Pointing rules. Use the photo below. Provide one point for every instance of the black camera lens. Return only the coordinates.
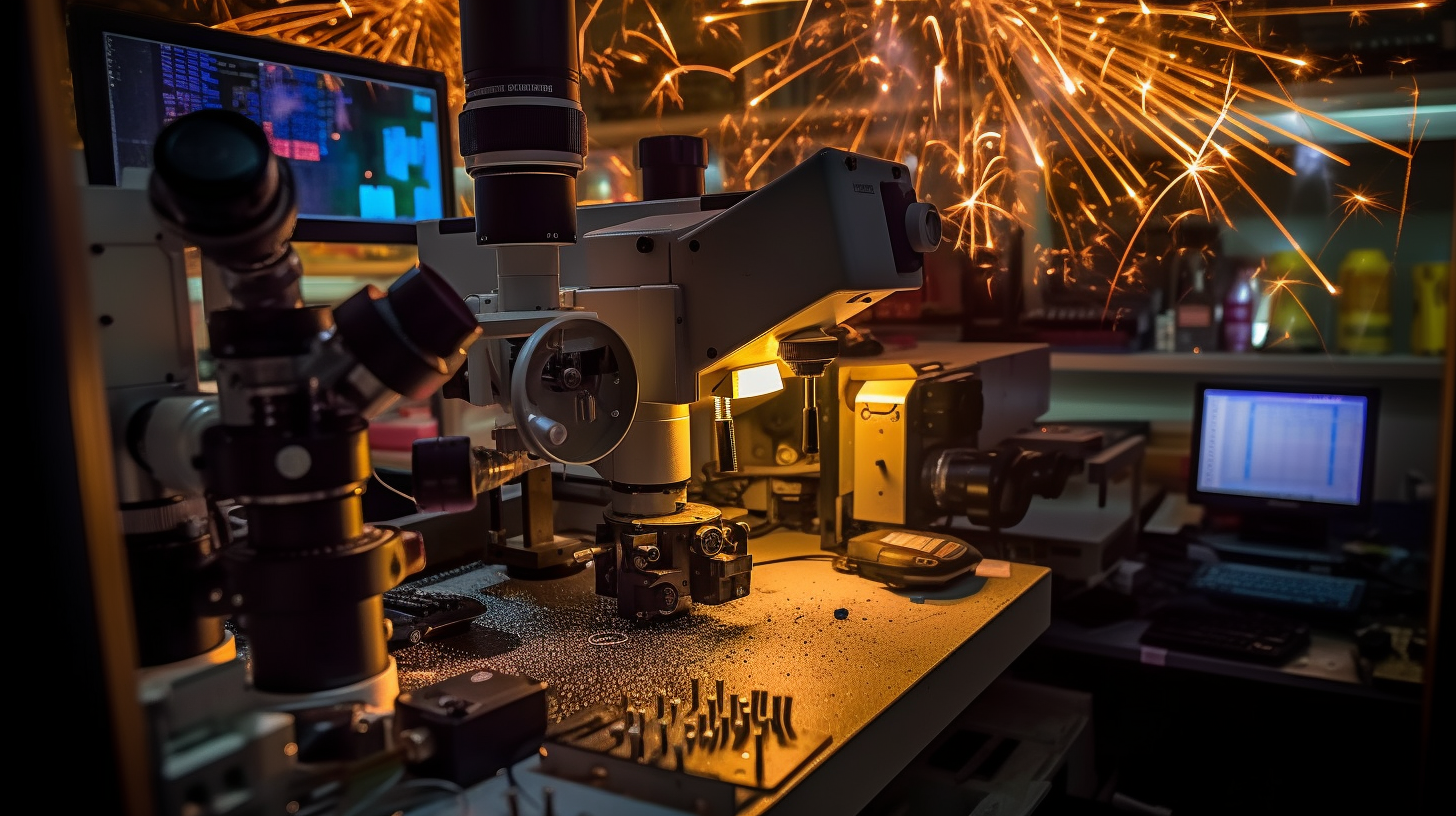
(216, 177)
(522, 130)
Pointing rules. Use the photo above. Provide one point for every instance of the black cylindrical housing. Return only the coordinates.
(242, 461)
(307, 525)
(167, 569)
(672, 166)
(444, 476)
(522, 130)
(525, 208)
(328, 648)
(512, 48)
(982, 485)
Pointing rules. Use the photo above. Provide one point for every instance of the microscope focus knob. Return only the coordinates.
(573, 390)
(808, 354)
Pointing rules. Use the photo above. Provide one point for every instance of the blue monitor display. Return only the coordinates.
(1260, 446)
(367, 142)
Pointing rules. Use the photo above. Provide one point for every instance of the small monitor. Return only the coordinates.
(1287, 460)
(369, 142)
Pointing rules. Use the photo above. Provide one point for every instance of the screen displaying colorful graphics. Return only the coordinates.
(367, 142)
(358, 148)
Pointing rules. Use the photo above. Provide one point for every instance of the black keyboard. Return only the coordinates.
(1271, 586)
(1235, 634)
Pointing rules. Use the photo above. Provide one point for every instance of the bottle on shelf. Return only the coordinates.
(1364, 303)
(1428, 324)
(1240, 303)
(1297, 305)
(1192, 268)
(1196, 315)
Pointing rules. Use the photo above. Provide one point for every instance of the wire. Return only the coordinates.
(406, 796)
(373, 797)
(815, 557)
(391, 487)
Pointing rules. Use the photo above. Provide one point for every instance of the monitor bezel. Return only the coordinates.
(87, 25)
(1236, 503)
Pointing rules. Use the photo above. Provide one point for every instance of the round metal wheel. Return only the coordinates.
(573, 390)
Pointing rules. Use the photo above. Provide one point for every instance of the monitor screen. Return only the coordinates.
(367, 142)
(1267, 447)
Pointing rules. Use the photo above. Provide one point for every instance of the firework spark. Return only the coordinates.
(1105, 114)
(1354, 202)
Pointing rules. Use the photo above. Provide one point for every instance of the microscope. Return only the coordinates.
(243, 504)
(602, 326)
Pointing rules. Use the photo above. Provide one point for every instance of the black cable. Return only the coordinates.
(815, 557)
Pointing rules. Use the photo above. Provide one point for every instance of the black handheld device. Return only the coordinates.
(908, 558)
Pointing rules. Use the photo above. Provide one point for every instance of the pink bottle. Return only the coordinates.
(1239, 305)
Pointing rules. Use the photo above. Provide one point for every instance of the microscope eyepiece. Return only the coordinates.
(430, 313)
(522, 131)
(216, 178)
(672, 165)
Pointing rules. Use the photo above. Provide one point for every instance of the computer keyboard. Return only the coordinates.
(1235, 634)
(1271, 586)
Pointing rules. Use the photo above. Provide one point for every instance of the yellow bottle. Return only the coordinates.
(1364, 303)
(1296, 301)
(1428, 326)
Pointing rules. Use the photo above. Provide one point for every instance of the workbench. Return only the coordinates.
(880, 671)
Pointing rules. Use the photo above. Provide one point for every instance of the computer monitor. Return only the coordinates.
(1286, 460)
(368, 142)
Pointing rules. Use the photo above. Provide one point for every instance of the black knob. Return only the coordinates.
(672, 166)
(442, 473)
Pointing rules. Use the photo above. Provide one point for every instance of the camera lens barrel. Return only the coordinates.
(522, 129)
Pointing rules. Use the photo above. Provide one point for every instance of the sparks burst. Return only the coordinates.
(1114, 117)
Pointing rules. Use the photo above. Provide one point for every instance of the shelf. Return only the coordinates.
(1315, 365)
